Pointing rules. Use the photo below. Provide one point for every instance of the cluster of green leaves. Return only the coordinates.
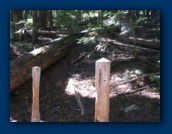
(113, 23)
(90, 39)
(154, 78)
(64, 19)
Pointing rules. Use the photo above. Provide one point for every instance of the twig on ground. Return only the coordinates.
(78, 97)
(134, 79)
(28, 106)
(138, 90)
(82, 55)
(151, 63)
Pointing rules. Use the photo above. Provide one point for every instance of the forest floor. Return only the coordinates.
(76, 72)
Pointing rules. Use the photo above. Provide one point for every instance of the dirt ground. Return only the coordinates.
(60, 81)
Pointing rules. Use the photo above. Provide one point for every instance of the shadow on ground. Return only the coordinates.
(58, 103)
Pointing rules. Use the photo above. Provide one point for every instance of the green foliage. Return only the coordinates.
(118, 23)
(154, 78)
(66, 19)
(87, 40)
(101, 47)
(155, 89)
(126, 32)
(27, 14)
(141, 20)
(29, 23)
(148, 105)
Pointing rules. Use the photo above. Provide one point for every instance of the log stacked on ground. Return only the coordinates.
(20, 68)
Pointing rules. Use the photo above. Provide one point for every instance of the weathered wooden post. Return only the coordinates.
(35, 88)
(102, 90)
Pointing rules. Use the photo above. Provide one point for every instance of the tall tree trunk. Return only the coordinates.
(36, 25)
(43, 18)
(50, 17)
(16, 16)
(137, 14)
(144, 14)
(100, 17)
(147, 14)
(27, 14)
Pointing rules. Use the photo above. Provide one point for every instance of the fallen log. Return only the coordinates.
(20, 68)
(152, 44)
(13, 54)
(131, 46)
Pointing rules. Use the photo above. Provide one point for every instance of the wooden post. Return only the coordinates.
(102, 90)
(35, 88)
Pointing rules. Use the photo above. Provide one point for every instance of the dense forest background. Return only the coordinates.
(115, 22)
(66, 44)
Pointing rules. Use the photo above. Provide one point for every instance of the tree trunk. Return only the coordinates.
(43, 18)
(137, 14)
(147, 14)
(20, 69)
(100, 17)
(36, 25)
(50, 17)
(144, 14)
(16, 16)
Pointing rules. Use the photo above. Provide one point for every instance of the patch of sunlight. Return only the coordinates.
(13, 120)
(141, 39)
(129, 74)
(84, 87)
(69, 88)
(138, 71)
(151, 95)
(30, 20)
(39, 50)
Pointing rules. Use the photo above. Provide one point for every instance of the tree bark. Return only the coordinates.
(16, 16)
(36, 25)
(20, 68)
(43, 18)
(147, 14)
(50, 17)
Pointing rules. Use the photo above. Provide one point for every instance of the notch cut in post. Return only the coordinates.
(35, 89)
(102, 90)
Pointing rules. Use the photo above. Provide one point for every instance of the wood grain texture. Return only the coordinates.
(102, 90)
(35, 88)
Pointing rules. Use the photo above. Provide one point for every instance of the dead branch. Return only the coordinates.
(151, 63)
(134, 79)
(82, 55)
(131, 46)
(78, 97)
(140, 42)
(138, 90)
